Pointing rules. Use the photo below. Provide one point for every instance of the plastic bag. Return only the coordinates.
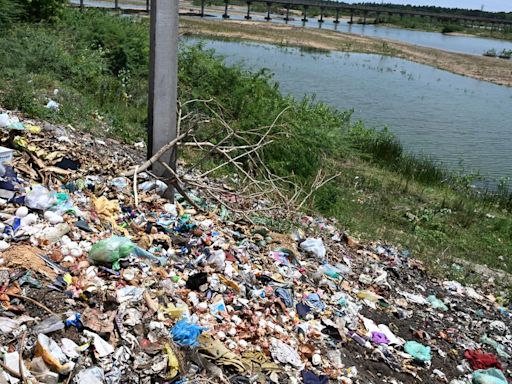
(331, 271)
(39, 197)
(186, 334)
(116, 248)
(111, 251)
(315, 246)
(218, 259)
(92, 375)
(436, 303)
(4, 120)
(418, 351)
(489, 376)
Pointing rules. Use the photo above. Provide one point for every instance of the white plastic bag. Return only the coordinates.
(315, 246)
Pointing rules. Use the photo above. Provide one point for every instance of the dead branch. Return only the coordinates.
(20, 361)
(32, 301)
(153, 159)
(177, 185)
(319, 182)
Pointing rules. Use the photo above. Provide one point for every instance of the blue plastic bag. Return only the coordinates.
(489, 376)
(186, 334)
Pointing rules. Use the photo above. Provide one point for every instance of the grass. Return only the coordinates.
(99, 64)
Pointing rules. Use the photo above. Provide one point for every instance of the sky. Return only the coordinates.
(489, 5)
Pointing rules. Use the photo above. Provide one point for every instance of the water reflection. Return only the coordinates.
(461, 121)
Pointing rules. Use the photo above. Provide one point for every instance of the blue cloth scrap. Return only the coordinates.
(311, 378)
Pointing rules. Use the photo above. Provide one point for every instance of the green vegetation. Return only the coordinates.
(29, 10)
(99, 64)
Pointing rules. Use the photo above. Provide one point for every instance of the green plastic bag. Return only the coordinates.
(111, 251)
(418, 351)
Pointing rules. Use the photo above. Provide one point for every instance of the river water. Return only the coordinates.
(462, 122)
(464, 44)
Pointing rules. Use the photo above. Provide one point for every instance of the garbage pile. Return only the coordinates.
(99, 287)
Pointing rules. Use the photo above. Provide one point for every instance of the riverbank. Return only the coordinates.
(478, 67)
(99, 67)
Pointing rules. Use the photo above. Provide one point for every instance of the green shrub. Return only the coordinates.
(39, 10)
(10, 12)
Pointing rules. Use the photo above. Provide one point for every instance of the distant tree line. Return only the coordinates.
(434, 9)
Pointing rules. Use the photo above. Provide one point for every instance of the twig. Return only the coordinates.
(135, 192)
(180, 189)
(10, 371)
(153, 159)
(20, 361)
(317, 184)
(32, 301)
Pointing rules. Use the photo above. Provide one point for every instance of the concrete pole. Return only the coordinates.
(305, 19)
(352, 16)
(202, 7)
(116, 5)
(321, 20)
(82, 5)
(287, 18)
(147, 6)
(337, 16)
(248, 16)
(163, 82)
(226, 4)
(268, 18)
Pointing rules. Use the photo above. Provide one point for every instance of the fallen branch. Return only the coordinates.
(135, 192)
(176, 184)
(32, 301)
(20, 361)
(153, 159)
(319, 182)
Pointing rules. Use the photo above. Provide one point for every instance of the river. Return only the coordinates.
(463, 44)
(464, 123)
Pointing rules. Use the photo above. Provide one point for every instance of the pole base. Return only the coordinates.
(224, 16)
(248, 17)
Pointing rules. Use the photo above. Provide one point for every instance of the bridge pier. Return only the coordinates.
(248, 16)
(337, 20)
(377, 18)
(202, 7)
(81, 5)
(321, 19)
(116, 5)
(305, 18)
(287, 17)
(351, 17)
(365, 13)
(268, 18)
(225, 15)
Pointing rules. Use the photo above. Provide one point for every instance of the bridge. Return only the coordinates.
(362, 12)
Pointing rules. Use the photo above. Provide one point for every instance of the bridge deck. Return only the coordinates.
(141, 6)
